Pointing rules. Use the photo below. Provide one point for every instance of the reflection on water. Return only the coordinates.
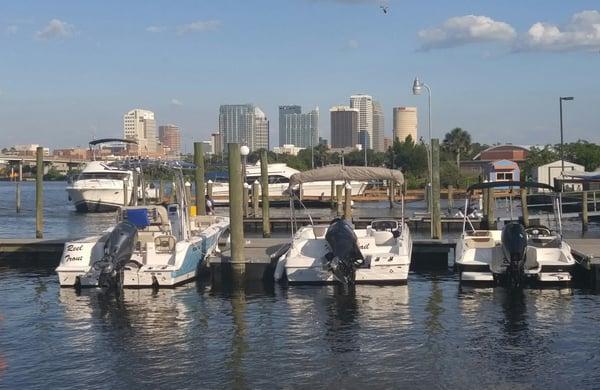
(429, 334)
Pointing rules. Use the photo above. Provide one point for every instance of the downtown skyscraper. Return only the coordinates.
(344, 127)
(140, 126)
(370, 121)
(298, 129)
(245, 124)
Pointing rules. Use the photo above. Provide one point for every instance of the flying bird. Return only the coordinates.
(384, 8)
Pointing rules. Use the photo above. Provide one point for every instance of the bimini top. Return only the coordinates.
(591, 176)
(339, 172)
(107, 140)
(508, 183)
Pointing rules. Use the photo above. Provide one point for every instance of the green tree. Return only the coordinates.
(539, 156)
(457, 141)
(584, 153)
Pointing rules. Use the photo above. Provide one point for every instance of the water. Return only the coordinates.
(428, 334)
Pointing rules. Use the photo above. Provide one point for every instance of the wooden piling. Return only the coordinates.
(209, 188)
(450, 197)
(39, 192)
(332, 205)
(246, 200)
(392, 190)
(264, 178)
(255, 190)
(348, 202)
(199, 178)
(584, 211)
(436, 221)
(339, 194)
(491, 203)
(18, 197)
(236, 218)
(125, 198)
(161, 191)
(524, 208)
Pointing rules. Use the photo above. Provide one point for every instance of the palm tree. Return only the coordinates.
(457, 141)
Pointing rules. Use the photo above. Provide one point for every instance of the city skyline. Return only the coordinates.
(494, 70)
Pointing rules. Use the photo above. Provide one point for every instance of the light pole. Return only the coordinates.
(365, 136)
(244, 151)
(562, 151)
(417, 89)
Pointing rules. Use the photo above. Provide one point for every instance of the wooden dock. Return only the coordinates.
(587, 254)
(31, 251)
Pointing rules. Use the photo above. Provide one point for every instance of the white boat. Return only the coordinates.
(379, 254)
(515, 254)
(100, 187)
(279, 178)
(150, 246)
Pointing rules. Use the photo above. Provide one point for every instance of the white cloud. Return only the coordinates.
(176, 102)
(352, 44)
(199, 26)
(582, 32)
(155, 29)
(12, 29)
(463, 30)
(55, 29)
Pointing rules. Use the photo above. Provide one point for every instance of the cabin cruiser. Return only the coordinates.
(379, 254)
(516, 254)
(149, 246)
(279, 178)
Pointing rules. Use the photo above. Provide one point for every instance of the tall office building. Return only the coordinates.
(405, 123)
(170, 138)
(364, 105)
(283, 112)
(139, 125)
(378, 127)
(244, 124)
(344, 126)
(217, 143)
(295, 128)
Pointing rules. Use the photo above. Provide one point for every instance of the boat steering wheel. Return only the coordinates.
(538, 230)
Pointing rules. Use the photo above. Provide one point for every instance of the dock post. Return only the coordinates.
(246, 200)
(524, 206)
(491, 203)
(339, 191)
(125, 198)
(209, 188)
(332, 195)
(392, 193)
(18, 197)
(348, 202)
(255, 189)
(21, 170)
(436, 222)
(450, 197)
(264, 179)
(161, 191)
(584, 211)
(39, 192)
(236, 218)
(199, 178)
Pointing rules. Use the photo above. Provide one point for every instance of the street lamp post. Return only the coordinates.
(417, 89)
(562, 151)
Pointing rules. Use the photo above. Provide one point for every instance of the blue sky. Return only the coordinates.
(70, 69)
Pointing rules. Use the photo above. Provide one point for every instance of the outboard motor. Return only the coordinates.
(345, 254)
(514, 245)
(118, 249)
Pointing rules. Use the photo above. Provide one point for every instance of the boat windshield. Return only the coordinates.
(273, 179)
(102, 176)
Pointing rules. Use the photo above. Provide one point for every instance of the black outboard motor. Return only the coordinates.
(118, 249)
(345, 254)
(514, 245)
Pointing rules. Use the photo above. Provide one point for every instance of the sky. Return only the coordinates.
(69, 70)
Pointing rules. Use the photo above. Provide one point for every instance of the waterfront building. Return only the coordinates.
(245, 124)
(364, 105)
(139, 125)
(344, 126)
(296, 128)
(217, 143)
(292, 150)
(170, 138)
(405, 123)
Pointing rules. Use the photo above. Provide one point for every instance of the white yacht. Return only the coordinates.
(279, 178)
(150, 246)
(514, 254)
(379, 254)
(100, 187)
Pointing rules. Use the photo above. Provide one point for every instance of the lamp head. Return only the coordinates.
(567, 98)
(244, 150)
(417, 86)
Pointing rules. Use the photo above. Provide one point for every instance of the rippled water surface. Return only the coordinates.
(428, 334)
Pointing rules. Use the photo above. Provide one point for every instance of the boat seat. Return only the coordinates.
(480, 242)
(164, 244)
(383, 238)
(320, 230)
